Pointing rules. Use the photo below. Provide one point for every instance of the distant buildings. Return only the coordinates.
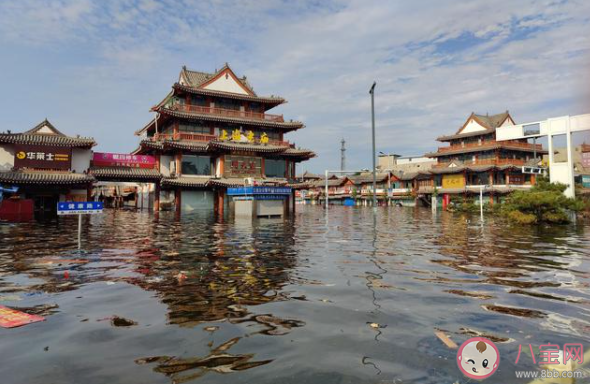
(472, 160)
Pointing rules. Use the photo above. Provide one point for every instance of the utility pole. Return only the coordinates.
(372, 92)
(343, 155)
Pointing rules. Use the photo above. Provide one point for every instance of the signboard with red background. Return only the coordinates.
(42, 156)
(100, 159)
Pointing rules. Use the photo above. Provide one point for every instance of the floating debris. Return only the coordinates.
(446, 339)
(494, 338)
(211, 329)
(12, 318)
(477, 295)
(520, 312)
(117, 321)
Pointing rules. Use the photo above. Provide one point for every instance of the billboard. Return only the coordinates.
(453, 181)
(100, 159)
(586, 159)
(42, 156)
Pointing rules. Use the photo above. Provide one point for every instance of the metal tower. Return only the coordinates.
(343, 155)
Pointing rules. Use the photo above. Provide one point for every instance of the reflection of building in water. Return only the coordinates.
(220, 270)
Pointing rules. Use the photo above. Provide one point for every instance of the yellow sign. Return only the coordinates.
(21, 155)
(264, 138)
(453, 181)
(223, 136)
(236, 135)
(250, 136)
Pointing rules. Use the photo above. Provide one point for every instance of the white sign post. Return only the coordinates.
(79, 208)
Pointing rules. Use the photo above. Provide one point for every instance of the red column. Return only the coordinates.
(157, 197)
(177, 199)
(220, 199)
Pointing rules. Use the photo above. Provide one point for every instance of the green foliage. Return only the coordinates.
(543, 203)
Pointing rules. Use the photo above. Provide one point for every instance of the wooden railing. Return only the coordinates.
(206, 138)
(228, 112)
(517, 162)
(485, 144)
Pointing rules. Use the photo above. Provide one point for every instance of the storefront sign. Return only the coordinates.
(242, 166)
(123, 160)
(586, 159)
(586, 181)
(516, 178)
(453, 181)
(258, 191)
(42, 156)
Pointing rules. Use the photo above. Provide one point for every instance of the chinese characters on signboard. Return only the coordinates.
(42, 156)
(586, 159)
(242, 166)
(123, 160)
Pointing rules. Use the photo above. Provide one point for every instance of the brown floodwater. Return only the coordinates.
(310, 299)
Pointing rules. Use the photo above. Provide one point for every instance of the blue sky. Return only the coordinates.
(95, 68)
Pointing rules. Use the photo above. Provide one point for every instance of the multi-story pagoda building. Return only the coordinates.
(212, 132)
(474, 159)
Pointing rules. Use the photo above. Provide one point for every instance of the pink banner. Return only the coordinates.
(123, 160)
(586, 159)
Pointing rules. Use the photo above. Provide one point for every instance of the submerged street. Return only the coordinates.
(300, 300)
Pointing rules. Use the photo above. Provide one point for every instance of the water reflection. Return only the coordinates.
(350, 299)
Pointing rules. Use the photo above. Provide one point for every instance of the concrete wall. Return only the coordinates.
(197, 200)
(6, 157)
(81, 159)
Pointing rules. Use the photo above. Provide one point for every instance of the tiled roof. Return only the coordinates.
(484, 148)
(35, 136)
(194, 182)
(209, 92)
(197, 78)
(195, 116)
(233, 146)
(489, 122)
(298, 152)
(44, 139)
(368, 178)
(45, 177)
(193, 146)
(125, 173)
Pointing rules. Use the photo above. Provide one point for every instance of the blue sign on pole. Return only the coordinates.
(242, 191)
(79, 208)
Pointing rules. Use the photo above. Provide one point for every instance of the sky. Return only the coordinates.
(95, 68)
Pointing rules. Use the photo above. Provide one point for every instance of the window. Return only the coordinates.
(275, 168)
(196, 165)
(198, 100)
(194, 128)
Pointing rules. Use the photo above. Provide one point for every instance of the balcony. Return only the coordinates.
(203, 137)
(228, 113)
(491, 143)
(517, 162)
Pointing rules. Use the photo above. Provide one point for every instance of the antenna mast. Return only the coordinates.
(343, 155)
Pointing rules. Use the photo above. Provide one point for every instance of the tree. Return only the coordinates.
(543, 203)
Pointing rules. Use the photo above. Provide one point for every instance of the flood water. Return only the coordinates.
(158, 300)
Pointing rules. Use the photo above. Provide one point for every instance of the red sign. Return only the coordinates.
(10, 318)
(42, 156)
(123, 160)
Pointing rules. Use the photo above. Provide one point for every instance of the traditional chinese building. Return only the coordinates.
(213, 132)
(45, 166)
(474, 159)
